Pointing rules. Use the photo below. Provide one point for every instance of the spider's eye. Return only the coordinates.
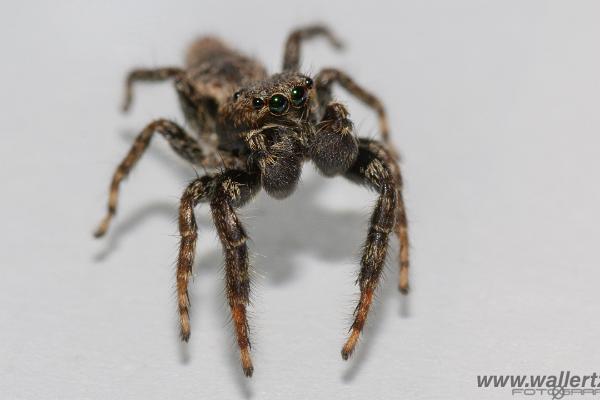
(278, 104)
(298, 96)
(236, 95)
(258, 103)
(308, 82)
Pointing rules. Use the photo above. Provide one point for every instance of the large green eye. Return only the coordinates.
(278, 104)
(298, 96)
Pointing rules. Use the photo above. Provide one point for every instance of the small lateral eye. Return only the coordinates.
(298, 96)
(278, 104)
(237, 95)
(258, 103)
(308, 82)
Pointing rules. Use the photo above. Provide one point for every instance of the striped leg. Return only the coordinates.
(146, 75)
(180, 141)
(291, 57)
(334, 147)
(327, 77)
(225, 191)
(401, 228)
(372, 169)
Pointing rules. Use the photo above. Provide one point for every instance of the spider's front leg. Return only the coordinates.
(225, 192)
(334, 147)
(373, 167)
(323, 85)
(183, 144)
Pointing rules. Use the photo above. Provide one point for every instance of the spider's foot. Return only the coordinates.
(333, 39)
(337, 43)
(404, 289)
(350, 344)
(184, 318)
(103, 227)
(184, 335)
(403, 285)
(246, 362)
(126, 102)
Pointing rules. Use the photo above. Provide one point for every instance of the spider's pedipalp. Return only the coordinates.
(278, 154)
(323, 85)
(334, 146)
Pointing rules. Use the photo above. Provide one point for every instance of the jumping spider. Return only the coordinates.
(255, 131)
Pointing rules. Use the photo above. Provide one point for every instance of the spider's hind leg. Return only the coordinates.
(225, 192)
(375, 167)
(146, 75)
(291, 57)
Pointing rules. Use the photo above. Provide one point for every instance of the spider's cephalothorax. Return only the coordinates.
(255, 131)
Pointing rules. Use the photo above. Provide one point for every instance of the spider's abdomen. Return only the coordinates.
(218, 70)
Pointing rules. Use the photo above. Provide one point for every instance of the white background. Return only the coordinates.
(494, 105)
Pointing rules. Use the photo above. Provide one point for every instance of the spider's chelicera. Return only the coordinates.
(255, 131)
